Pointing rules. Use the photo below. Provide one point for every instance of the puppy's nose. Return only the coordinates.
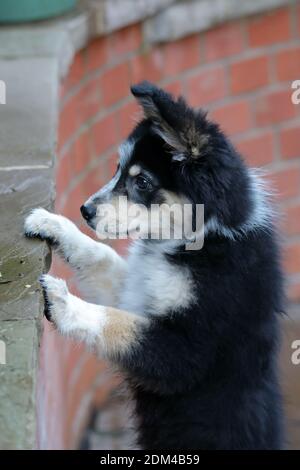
(88, 211)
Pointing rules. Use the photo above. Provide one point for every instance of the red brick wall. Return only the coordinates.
(242, 73)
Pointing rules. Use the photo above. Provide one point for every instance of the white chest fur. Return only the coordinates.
(154, 285)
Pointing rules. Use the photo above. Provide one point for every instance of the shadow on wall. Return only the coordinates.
(111, 426)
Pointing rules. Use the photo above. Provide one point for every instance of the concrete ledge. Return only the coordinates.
(22, 260)
(29, 117)
(58, 39)
(18, 379)
(188, 17)
(28, 135)
(38, 44)
(109, 16)
(163, 20)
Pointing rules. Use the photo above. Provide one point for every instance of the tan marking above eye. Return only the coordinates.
(134, 170)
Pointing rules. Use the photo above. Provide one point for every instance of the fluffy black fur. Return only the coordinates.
(206, 377)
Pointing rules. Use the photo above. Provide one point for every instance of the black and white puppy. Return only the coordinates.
(194, 331)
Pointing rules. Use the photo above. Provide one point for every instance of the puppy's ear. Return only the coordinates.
(173, 120)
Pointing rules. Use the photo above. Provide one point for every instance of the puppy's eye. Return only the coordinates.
(143, 183)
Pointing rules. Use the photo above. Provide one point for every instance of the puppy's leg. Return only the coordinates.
(157, 355)
(108, 330)
(98, 267)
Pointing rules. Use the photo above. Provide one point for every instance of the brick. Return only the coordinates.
(206, 86)
(67, 121)
(82, 153)
(286, 183)
(290, 143)
(175, 88)
(298, 19)
(125, 40)
(258, 150)
(104, 134)
(112, 164)
(97, 54)
(181, 55)
(294, 291)
(51, 389)
(274, 107)
(88, 102)
(269, 28)
(287, 64)
(60, 269)
(72, 357)
(234, 117)
(148, 66)
(64, 173)
(62, 90)
(106, 390)
(90, 368)
(127, 117)
(291, 258)
(94, 180)
(223, 41)
(291, 222)
(85, 382)
(72, 205)
(121, 247)
(76, 71)
(115, 84)
(249, 74)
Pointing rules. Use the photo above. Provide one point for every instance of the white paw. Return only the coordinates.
(43, 224)
(72, 316)
(56, 296)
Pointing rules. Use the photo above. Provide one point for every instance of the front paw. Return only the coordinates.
(41, 224)
(56, 296)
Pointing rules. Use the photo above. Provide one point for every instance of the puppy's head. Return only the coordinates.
(175, 155)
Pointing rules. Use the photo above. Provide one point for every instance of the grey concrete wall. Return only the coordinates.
(27, 146)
